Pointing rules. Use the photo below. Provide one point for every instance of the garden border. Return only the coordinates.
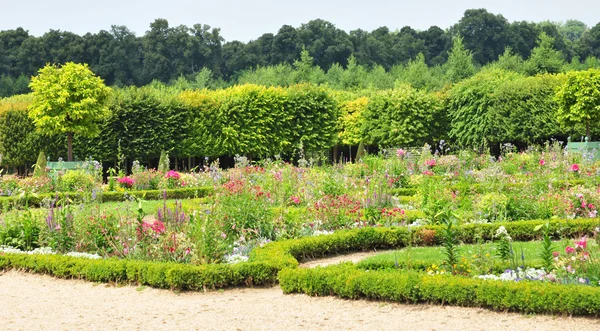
(278, 261)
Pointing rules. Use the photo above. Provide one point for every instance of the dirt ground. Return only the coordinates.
(39, 302)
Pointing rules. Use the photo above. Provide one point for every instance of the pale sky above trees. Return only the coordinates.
(248, 19)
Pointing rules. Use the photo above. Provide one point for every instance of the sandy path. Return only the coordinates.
(30, 302)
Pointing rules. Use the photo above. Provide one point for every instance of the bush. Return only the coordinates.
(75, 181)
(346, 281)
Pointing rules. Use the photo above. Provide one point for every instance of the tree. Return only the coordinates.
(589, 44)
(68, 99)
(460, 62)
(545, 58)
(572, 30)
(509, 61)
(579, 99)
(485, 34)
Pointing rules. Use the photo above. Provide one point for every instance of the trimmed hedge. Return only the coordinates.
(346, 281)
(35, 200)
(155, 274)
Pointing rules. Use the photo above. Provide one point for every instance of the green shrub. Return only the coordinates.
(75, 181)
(413, 287)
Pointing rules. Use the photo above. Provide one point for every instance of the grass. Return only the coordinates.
(480, 257)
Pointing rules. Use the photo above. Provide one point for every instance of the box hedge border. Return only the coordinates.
(35, 200)
(345, 281)
(278, 261)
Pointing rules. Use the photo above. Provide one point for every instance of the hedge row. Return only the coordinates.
(36, 200)
(346, 281)
(155, 274)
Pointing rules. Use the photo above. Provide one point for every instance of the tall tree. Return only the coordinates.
(484, 34)
(326, 43)
(460, 62)
(68, 99)
(545, 58)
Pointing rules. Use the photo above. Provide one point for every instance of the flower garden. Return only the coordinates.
(517, 232)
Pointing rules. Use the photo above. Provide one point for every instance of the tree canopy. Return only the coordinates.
(68, 99)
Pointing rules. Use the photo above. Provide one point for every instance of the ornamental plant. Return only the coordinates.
(68, 99)
(126, 182)
(578, 99)
(172, 179)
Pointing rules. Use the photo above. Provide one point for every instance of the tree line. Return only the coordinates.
(200, 56)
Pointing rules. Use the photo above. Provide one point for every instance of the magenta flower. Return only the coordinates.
(575, 167)
(542, 162)
(569, 250)
(581, 243)
(295, 199)
(430, 163)
(172, 174)
(126, 182)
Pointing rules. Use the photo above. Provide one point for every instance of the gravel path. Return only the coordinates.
(29, 301)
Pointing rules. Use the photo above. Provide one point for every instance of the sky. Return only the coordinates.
(248, 20)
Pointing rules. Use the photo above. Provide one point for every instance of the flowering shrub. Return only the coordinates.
(146, 180)
(126, 182)
(578, 264)
(171, 180)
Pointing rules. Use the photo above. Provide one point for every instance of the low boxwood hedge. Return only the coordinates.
(35, 200)
(346, 281)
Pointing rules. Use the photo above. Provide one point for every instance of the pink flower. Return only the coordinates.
(295, 199)
(430, 163)
(400, 152)
(556, 254)
(581, 244)
(575, 167)
(569, 250)
(172, 174)
(126, 182)
(542, 162)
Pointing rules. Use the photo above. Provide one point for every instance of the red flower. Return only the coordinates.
(569, 250)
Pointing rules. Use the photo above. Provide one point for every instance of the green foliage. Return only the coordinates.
(163, 162)
(450, 245)
(547, 246)
(460, 62)
(40, 165)
(545, 58)
(156, 274)
(402, 117)
(468, 107)
(21, 232)
(578, 99)
(19, 143)
(523, 110)
(528, 297)
(38, 200)
(68, 99)
(75, 181)
(351, 121)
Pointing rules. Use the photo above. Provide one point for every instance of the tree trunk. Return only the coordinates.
(336, 151)
(587, 130)
(69, 146)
